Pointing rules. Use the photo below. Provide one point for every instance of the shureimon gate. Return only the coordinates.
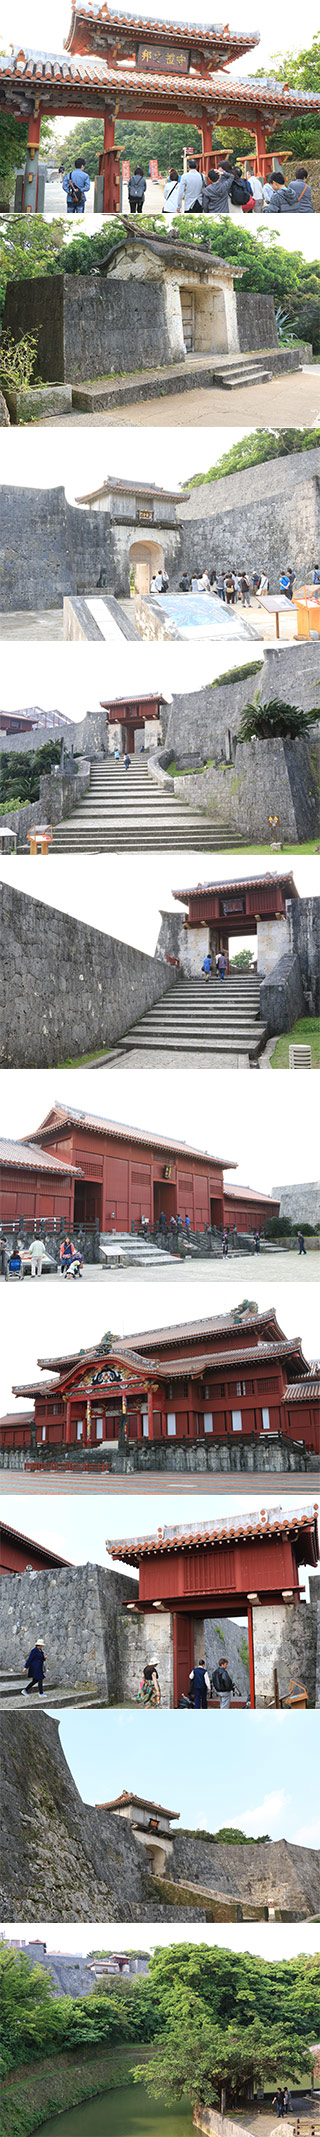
(116, 66)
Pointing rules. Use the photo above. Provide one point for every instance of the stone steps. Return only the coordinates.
(128, 812)
(139, 1251)
(195, 1018)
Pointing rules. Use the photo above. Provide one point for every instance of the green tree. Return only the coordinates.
(256, 446)
(136, 142)
(243, 962)
(29, 246)
(211, 2063)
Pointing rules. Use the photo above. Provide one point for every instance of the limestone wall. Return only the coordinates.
(304, 916)
(215, 2125)
(65, 988)
(89, 327)
(58, 795)
(252, 519)
(285, 1639)
(143, 1638)
(301, 1202)
(77, 1611)
(256, 319)
(259, 1873)
(49, 548)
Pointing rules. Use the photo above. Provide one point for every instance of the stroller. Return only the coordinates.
(74, 1265)
(15, 1264)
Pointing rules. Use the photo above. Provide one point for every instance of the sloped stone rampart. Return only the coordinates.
(66, 988)
(260, 1873)
(254, 519)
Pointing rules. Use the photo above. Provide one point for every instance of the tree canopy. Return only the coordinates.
(229, 2020)
(256, 446)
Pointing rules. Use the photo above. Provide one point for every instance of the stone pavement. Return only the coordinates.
(31, 623)
(289, 1268)
(293, 399)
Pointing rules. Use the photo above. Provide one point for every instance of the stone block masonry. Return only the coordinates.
(79, 1612)
(88, 327)
(254, 519)
(66, 989)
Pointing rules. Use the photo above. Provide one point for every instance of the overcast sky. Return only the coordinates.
(46, 29)
(82, 459)
(67, 1319)
(269, 1787)
(76, 678)
(273, 1943)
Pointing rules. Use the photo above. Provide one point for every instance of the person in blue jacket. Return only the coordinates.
(76, 184)
(35, 1667)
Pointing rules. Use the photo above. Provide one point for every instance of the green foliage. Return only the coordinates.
(229, 2018)
(265, 265)
(137, 143)
(21, 770)
(243, 962)
(300, 137)
(29, 246)
(228, 1835)
(263, 722)
(307, 1030)
(13, 144)
(17, 360)
(256, 446)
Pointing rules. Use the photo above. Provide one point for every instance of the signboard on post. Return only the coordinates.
(125, 167)
(154, 173)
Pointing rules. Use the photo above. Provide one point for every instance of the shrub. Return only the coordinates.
(17, 360)
(263, 722)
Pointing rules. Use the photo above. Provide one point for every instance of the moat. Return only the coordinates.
(122, 2113)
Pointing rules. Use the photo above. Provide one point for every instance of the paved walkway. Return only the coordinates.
(31, 623)
(240, 1268)
(292, 399)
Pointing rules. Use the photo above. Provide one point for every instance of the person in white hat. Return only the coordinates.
(35, 1667)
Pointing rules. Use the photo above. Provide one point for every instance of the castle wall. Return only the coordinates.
(66, 989)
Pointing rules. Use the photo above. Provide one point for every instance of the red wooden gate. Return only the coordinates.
(183, 1652)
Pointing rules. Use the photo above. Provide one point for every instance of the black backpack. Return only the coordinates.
(240, 191)
(75, 191)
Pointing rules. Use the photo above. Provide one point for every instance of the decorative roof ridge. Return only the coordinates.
(175, 1535)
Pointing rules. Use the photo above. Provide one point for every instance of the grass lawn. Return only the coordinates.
(307, 1031)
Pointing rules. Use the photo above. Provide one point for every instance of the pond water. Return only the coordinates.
(127, 2112)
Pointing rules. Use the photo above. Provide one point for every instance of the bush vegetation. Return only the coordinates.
(21, 771)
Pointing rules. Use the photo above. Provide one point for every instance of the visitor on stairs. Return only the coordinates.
(222, 1683)
(35, 1666)
(200, 1683)
(207, 967)
(190, 191)
(221, 964)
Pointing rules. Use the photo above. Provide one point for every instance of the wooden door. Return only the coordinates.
(183, 1653)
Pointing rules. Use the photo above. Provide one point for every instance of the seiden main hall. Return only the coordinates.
(229, 1376)
(119, 66)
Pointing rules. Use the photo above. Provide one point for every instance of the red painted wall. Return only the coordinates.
(34, 1194)
(126, 1175)
(266, 1565)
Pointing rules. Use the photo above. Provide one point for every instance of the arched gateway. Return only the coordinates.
(114, 66)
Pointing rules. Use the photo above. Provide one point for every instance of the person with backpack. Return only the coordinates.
(241, 189)
(76, 184)
(216, 193)
(245, 590)
(136, 190)
(293, 198)
(170, 197)
(191, 190)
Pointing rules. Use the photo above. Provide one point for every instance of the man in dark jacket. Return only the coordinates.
(200, 1683)
(216, 192)
(35, 1667)
(222, 1683)
(293, 198)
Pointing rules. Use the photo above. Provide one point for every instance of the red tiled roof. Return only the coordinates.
(17, 1417)
(29, 1158)
(202, 890)
(227, 1530)
(214, 1324)
(137, 489)
(70, 1116)
(59, 74)
(242, 1194)
(180, 1368)
(303, 1390)
(212, 35)
(141, 1802)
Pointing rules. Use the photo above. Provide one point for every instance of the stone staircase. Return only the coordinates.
(141, 1253)
(241, 371)
(196, 1018)
(127, 812)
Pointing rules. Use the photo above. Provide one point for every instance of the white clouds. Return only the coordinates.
(268, 1815)
(308, 1836)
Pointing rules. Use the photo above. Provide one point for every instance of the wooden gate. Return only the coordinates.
(183, 1653)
